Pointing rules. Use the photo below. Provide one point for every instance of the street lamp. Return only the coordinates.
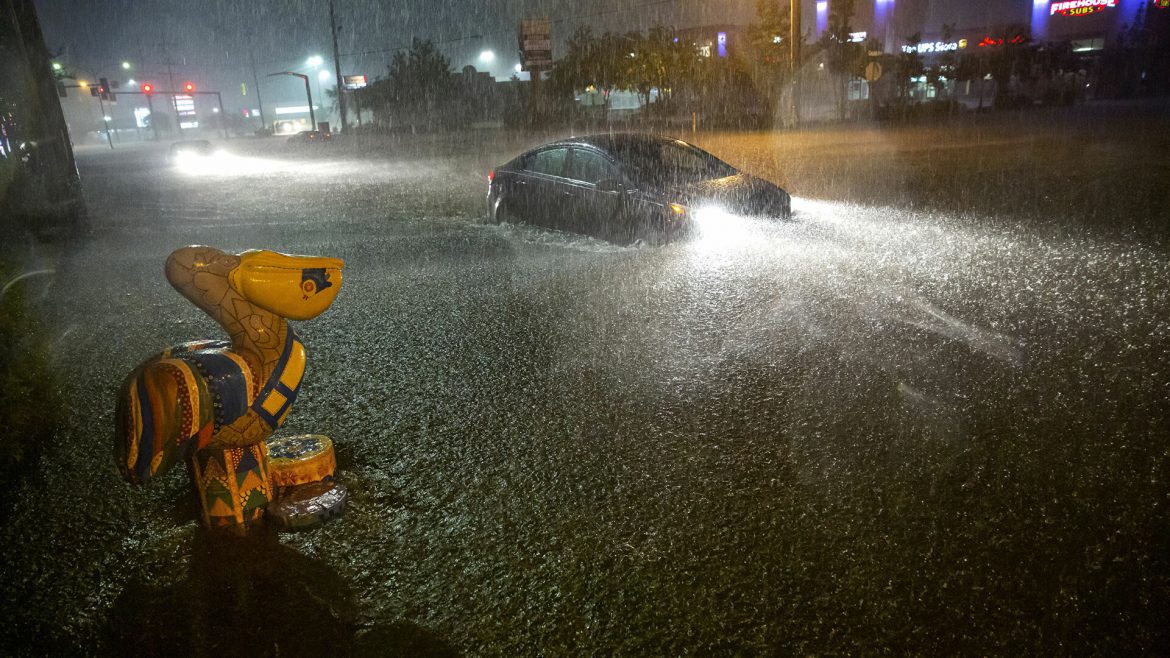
(126, 66)
(308, 93)
(315, 61)
(487, 57)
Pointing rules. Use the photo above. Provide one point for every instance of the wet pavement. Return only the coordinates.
(868, 430)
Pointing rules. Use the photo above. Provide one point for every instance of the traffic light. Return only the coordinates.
(189, 87)
(147, 88)
(104, 88)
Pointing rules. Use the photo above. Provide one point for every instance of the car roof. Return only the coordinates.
(613, 141)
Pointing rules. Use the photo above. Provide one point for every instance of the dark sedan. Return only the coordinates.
(310, 137)
(626, 188)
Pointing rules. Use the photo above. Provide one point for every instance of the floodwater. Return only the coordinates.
(866, 430)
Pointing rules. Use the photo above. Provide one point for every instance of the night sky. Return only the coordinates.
(210, 42)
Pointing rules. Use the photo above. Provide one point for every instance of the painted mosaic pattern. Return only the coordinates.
(223, 393)
(301, 459)
(233, 484)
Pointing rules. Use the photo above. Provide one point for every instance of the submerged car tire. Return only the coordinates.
(651, 232)
(503, 214)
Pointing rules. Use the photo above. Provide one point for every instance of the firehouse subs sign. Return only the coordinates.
(1079, 7)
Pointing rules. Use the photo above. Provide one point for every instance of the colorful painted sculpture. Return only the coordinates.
(220, 400)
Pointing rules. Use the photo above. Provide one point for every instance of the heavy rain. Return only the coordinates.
(900, 387)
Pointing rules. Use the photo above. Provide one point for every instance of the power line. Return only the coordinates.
(397, 48)
(607, 12)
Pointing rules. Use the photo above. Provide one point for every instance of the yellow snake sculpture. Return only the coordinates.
(224, 397)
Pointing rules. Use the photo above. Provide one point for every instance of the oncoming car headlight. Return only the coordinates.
(196, 162)
(716, 226)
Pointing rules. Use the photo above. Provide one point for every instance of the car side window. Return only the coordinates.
(589, 167)
(551, 162)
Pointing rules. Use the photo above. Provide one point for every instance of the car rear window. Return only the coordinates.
(674, 162)
(551, 161)
(588, 166)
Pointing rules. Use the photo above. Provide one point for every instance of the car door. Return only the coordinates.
(544, 177)
(593, 211)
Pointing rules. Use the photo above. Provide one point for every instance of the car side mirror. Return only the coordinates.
(610, 185)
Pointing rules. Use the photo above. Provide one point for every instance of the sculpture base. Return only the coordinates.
(233, 484)
(300, 459)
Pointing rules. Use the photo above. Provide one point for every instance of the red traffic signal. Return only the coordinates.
(189, 87)
(147, 88)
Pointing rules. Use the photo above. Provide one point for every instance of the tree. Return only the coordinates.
(1006, 64)
(947, 67)
(416, 90)
(909, 66)
(658, 61)
(844, 58)
(592, 61)
(768, 44)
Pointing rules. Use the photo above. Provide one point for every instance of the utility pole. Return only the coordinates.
(171, 80)
(222, 115)
(256, 82)
(105, 119)
(337, 67)
(153, 119)
(794, 38)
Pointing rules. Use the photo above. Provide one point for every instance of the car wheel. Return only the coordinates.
(504, 214)
(651, 233)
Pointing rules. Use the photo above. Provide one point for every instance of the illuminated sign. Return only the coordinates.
(935, 47)
(354, 81)
(294, 109)
(1016, 39)
(1079, 7)
(1162, 4)
(721, 40)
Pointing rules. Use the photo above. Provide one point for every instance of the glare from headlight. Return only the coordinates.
(224, 164)
(717, 228)
(193, 162)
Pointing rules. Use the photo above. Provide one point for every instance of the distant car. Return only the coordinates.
(310, 137)
(191, 148)
(626, 188)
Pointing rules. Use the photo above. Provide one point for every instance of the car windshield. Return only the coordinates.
(671, 162)
(585, 328)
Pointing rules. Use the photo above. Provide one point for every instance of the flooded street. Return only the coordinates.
(868, 427)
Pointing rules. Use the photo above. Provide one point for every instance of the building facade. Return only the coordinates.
(1088, 25)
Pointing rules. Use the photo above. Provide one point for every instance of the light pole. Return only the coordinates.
(101, 102)
(794, 55)
(337, 67)
(316, 61)
(308, 93)
(256, 81)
